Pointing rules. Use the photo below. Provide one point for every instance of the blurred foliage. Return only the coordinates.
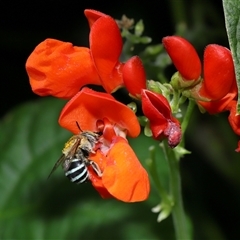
(32, 207)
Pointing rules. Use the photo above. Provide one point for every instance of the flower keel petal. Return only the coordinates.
(124, 177)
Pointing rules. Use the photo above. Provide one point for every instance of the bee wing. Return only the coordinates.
(66, 159)
(59, 162)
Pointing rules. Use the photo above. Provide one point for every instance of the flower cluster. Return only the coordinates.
(216, 90)
(62, 70)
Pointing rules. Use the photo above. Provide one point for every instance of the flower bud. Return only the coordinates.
(184, 57)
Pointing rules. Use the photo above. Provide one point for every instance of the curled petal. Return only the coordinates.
(92, 16)
(219, 72)
(234, 118)
(106, 46)
(124, 177)
(156, 108)
(163, 125)
(88, 106)
(59, 69)
(184, 56)
(214, 107)
(134, 76)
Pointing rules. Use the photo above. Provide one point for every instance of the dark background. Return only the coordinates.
(24, 24)
(211, 188)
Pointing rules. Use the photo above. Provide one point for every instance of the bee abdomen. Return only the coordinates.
(77, 171)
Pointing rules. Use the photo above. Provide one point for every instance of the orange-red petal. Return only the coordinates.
(106, 46)
(124, 177)
(134, 76)
(92, 16)
(59, 69)
(88, 106)
(100, 160)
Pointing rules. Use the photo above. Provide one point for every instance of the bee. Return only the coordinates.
(75, 156)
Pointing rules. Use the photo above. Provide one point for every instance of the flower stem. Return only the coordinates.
(153, 171)
(178, 11)
(187, 116)
(179, 217)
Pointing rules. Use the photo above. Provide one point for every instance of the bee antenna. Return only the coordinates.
(78, 126)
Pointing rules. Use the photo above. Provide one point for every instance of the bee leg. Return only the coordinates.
(96, 168)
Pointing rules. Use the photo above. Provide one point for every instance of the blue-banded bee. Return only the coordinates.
(75, 157)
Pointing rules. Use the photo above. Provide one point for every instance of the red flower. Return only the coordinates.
(123, 176)
(162, 123)
(59, 69)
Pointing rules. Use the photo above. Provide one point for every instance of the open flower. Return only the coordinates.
(59, 69)
(162, 123)
(123, 177)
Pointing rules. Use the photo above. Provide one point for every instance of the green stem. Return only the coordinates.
(178, 11)
(187, 116)
(175, 101)
(179, 217)
(153, 172)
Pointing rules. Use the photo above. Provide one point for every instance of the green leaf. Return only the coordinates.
(139, 28)
(34, 207)
(232, 17)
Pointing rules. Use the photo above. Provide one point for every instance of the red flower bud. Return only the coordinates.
(184, 56)
(218, 72)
